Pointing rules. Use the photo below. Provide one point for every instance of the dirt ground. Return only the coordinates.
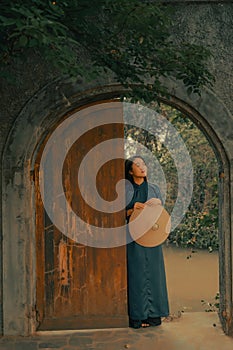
(191, 278)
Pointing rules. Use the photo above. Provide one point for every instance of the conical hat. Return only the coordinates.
(150, 226)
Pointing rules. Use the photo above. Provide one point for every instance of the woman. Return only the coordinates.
(147, 291)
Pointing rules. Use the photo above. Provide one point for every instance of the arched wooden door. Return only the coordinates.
(79, 286)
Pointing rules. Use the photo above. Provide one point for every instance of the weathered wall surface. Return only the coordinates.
(202, 22)
(210, 24)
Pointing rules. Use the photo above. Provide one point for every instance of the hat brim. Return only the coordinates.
(150, 226)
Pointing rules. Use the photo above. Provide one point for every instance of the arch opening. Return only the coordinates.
(191, 251)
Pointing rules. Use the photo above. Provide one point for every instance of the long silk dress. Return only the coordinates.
(147, 290)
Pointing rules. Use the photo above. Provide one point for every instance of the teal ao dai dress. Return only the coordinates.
(147, 290)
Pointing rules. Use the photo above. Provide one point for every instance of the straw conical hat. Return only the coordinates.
(150, 226)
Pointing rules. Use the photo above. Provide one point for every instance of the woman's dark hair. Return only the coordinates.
(128, 166)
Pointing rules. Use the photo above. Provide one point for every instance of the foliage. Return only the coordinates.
(130, 39)
(199, 227)
(211, 306)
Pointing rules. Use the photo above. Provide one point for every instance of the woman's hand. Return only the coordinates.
(138, 205)
(153, 201)
(129, 212)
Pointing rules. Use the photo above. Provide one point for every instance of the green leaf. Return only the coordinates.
(189, 90)
(7, 21)
(32, 43)
(23, 40)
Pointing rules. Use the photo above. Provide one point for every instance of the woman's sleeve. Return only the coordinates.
(155, 189)
(128, 197)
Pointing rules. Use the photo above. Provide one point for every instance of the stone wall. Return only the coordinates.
(210, 24)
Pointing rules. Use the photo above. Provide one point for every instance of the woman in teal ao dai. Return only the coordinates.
(147, 290)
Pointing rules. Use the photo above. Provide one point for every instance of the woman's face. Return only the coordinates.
(139, 168)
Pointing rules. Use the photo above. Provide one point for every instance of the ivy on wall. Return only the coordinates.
(129, 39)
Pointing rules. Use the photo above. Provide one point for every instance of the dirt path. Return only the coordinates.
(191, 278)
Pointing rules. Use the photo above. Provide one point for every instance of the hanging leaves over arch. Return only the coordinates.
(130, 39)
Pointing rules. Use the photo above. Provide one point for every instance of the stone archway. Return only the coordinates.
(30, 129)
(224, 190)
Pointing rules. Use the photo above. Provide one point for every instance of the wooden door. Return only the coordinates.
(80, 286)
